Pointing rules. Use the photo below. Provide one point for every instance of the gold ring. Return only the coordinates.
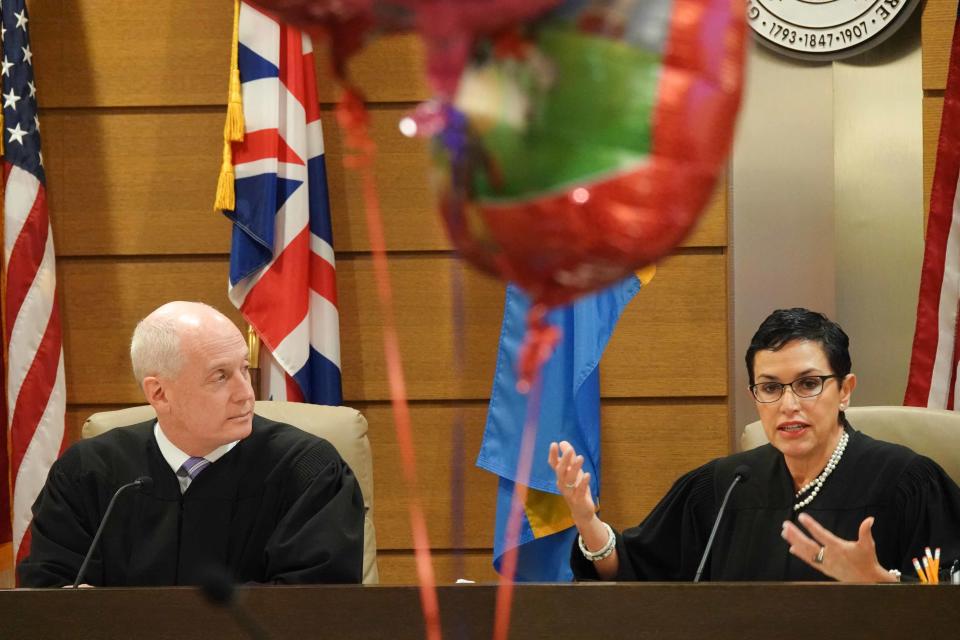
(570, 485)
(819, 558)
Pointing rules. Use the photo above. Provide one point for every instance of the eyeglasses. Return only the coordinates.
(805, 387)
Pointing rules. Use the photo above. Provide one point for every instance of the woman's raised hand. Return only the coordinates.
(572, 481)
(843, 560)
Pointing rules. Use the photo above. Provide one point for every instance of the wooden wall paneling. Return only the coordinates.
(102, 300)
(647, 445)
(402, 171)
(399, 567)
(711, 231)
(389, 68)
(422, 299)
(936, 34)
(134, 183)
(142, 182)
(680, 313)
(672, 338)
(433, 441)
(104, 53)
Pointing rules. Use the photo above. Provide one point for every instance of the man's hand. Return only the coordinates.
(843, 560)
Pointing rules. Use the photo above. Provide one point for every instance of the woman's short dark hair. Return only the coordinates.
(786, 325)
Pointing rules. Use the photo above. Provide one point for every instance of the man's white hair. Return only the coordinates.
(155, 347)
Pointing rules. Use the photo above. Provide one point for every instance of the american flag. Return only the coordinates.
(35, 393)
(933, 365)
(282, 269)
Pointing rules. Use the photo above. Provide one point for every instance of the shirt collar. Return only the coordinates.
(175, 457)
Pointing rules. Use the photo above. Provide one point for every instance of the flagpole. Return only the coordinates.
(7, 560)
(253, 348)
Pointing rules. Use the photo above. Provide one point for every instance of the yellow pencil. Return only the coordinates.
(936, 565)
(916, 565)
(928, 564)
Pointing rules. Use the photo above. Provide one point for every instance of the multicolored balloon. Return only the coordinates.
(585, 145)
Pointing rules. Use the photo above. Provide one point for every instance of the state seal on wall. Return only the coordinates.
(826, 29)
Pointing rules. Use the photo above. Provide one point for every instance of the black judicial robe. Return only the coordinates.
(280, 507)
(914, 501)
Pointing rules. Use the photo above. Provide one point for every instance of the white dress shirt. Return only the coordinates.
(175, 457)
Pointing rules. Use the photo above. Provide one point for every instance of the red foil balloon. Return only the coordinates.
(589, 147)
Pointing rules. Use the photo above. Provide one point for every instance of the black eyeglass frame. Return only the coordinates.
(783, 386)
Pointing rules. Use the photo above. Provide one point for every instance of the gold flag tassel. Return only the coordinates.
(233, 127)
(226, 198)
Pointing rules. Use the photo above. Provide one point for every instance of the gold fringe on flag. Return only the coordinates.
(233, 127)
(645, 275)
(226, 198)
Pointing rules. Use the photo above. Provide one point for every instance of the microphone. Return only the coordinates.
(219, 589)
(741, 473)
(143, 482)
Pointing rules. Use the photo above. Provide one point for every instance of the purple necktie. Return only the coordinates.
(193, 466)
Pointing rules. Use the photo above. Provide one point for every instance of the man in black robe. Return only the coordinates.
(232, 494)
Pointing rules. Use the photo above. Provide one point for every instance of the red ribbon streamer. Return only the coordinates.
(354, 120)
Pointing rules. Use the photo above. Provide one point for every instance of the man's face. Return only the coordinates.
(209, 401)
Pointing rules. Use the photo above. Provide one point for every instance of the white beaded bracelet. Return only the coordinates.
(605, 552)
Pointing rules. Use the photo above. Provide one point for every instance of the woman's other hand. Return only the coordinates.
(843, 560)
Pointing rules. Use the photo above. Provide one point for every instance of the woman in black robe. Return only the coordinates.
(820, 501)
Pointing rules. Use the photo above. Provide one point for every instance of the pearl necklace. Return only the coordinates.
(817, 482)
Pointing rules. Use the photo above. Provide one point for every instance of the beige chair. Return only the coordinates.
(930, 432)
(343, 427)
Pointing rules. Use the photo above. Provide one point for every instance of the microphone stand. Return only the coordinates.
(742, 473)
(140, 483)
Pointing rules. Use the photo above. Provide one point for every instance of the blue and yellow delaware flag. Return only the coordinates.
(569, 410)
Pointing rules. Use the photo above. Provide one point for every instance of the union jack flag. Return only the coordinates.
(282, 269)
(35, 397)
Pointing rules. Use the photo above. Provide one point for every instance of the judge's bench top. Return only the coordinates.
(585, 610)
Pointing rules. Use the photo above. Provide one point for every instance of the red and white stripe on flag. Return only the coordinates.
(933, 365)
(35, 390)
(282, 267)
